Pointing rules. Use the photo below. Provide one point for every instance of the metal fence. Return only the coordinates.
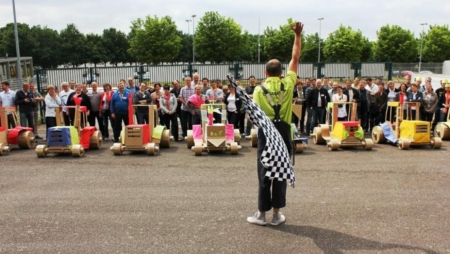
(400, 68)
(167, 73)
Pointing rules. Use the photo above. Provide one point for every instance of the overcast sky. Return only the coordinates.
(367, 15)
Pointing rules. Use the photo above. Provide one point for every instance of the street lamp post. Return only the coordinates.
(193, 38)
(259, 45)
(320, 28)
(16, 33)
(421, 46)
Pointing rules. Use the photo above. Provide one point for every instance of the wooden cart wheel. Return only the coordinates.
(299, 148)
(95, 142)
(41, 151)
(237, 136)
(234, 148)
(198, 150)
(26, 140)
(403, 144)
(4, 149)
(77, 151)
(116, 148)
(190, 139)
(442, 131)
(368, 144)
(333, 145)
(151, 148)
(378, 135)
(436, 143)
(317, 136)
(254, 138)
(165, 139)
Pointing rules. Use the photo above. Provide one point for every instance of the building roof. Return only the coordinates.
(14, 59)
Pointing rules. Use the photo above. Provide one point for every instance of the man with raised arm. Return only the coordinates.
(274, 97)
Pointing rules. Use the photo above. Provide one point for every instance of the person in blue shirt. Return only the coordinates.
(119, 109)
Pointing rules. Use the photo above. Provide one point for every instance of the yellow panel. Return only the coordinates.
(393, 104)
(408, 130)
(339, 131)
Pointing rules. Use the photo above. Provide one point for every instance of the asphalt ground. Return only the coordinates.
(349, 201)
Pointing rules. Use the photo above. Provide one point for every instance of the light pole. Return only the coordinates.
(320, 28)
(188, 20)
(193, 38)
(259, 45)
(18, 67)
(421, 46)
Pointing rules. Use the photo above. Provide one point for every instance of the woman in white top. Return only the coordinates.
(340, 97)
(234, 105)
(52, 101)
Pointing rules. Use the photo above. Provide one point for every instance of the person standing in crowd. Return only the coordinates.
(391, 91)
(414, 96)
(85, 101)
(234, 105)
(156, 95)
(142, 97)
(119, 109)
(71, 85)
(176, 91)
(299, 99)
(25, 100)
(95, 97)
(444, 103)
(105, 106)
(186, 117)
(36, 108)
(168, 105)
(64, 95)
(381, 100)
(84, 88)
(326, 84)
(205, 85)
(308, 90)
(132, 88)
(402, 96)
(195, 102)
(317, 101)
(272, 193)
(196, 79)
(215, 95)
(339, 96)
(249, 90)
(373, 109)
(7, 98)
(364, 105)
(430, 100)
(356, 83)
(440, 91)
(52, 101)
(352, 96)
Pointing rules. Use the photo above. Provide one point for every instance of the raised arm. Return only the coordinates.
(296, 49)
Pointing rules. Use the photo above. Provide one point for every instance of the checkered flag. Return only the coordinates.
(275, 156)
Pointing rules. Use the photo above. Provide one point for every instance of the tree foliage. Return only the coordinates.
(95, 51)
(47, 51)
(436, 44)
(219, 39)
(310, 49)
(395, 44)
(8, 40)
(343, 45)
(116, 45)
(154, 40)
(73, 45)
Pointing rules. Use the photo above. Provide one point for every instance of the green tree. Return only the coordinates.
(436, 44)
(219, 39)
(95, 51)
(27, 43)
(116, 45)
(251, 52)
(185, 54)
(367, 50)
(47, 53)
(343, 45)
(154, 40)
(310, 49)
(73, 46)
(278, 42)
(395, 44)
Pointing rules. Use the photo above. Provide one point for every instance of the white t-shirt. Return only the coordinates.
(342, 111)
(7, 99)
(373, 89)
(231, 103)
(63, 95)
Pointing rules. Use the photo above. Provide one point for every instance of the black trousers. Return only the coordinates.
(233, 118)
(186, 122)
(277, 197)
(91, 119)
(106, 114)
(142, 117)
(50, 121)
(171, 123)
(362, 115)
(241, 122)
(118, 125)
(67, 121)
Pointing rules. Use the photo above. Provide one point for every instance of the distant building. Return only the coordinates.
(8, 70)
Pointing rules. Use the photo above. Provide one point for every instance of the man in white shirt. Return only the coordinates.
(7, 97)
(373, 111)
(64, 95)
(195, 79)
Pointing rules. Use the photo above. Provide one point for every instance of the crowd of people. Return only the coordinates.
(372, 99)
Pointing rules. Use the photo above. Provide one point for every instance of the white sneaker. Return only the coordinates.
(277, 219)
(259, 219)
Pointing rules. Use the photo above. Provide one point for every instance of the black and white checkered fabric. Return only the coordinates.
(275, 156)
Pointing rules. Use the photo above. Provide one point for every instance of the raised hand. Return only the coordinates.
(297, 27)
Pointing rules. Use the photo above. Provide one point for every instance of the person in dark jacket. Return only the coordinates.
(234, 105)
(414, 96)
(381, 99)
(119, 109)
(352, 96)
(85, 101)
(317, 101)
(24, 99)
(142, 98)
(364, 105)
